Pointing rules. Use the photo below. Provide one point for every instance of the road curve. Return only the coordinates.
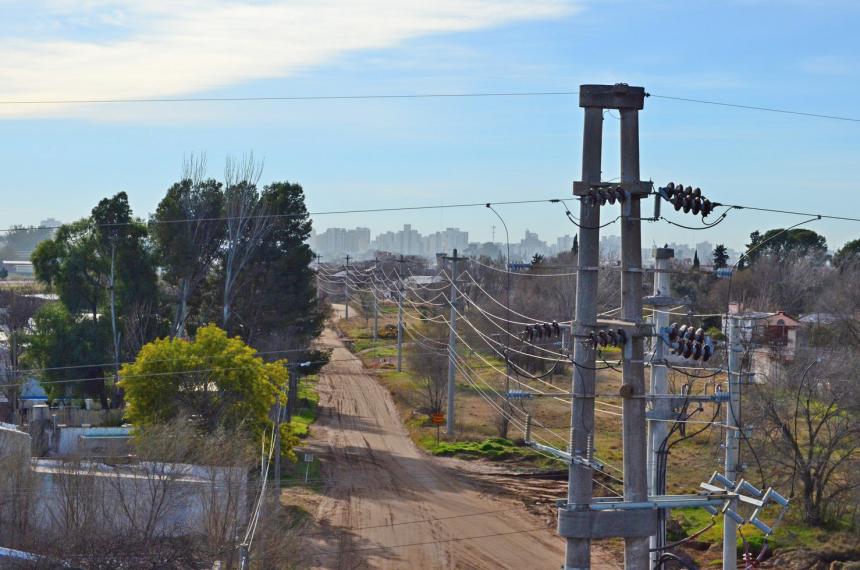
(387, 505)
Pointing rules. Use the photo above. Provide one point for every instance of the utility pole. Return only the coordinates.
(730, 526)
(293, 391)
(375, 307)
(452, 346)
(277, 443)
(319, 266)
(401, 261)
(661, 410)
(346, 287)
(579, 483)
(578, 522)
(634, 432)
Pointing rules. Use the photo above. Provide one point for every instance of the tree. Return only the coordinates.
(277, 307)
(96, 265)
(782, 244)
(247, 225)
(721, 257)
(696, 260)
(70, 349)
(17, 308)
(430, 365)
(810, 410)
(213, 379)
(537, 259)
(188, 235)
(575, 248)
(848, 253)
(4, 273)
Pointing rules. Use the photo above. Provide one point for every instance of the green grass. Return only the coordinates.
(295, 474)
(306, 413)
(494, 448)
(790, 533)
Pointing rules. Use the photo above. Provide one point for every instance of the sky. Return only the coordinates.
(59, 160)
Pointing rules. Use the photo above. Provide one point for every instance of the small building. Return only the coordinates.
(19, 268)
(772, 336)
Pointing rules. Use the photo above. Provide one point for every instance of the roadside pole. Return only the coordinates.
(633, 366)
(293, 391)
(661, 410)
(579, 522)
(375, 307)
(730, 526)
(401, 261)
(346, 287)
(452, 346)
(579, 489)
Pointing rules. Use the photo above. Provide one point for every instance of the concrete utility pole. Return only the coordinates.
(401, 261)
(730, 526)
(346, 287)
(578, 522)
(319, 266)
(293, 391)
(375, 308)
(277, 486)
(635, 441)
(452, 346)
(579, 486)
(661, 411)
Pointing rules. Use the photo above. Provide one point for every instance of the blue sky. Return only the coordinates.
(59, 160)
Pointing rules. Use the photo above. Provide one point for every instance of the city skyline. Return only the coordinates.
(361, 243)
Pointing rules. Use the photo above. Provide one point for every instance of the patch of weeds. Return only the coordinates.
(494, 449)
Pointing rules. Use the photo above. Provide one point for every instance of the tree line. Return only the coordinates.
(228, 252)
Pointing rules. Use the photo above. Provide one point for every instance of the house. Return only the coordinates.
(771, 336)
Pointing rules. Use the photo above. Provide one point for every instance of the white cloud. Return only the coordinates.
(107, 49)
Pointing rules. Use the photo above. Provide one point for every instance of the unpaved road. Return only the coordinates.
(387, 505)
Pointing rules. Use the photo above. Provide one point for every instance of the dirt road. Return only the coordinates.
(387, 505)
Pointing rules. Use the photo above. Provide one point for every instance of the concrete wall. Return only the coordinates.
(91, 441)
(125, 497)
(14, 444)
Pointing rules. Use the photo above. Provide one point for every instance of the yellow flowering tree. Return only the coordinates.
(214, 380)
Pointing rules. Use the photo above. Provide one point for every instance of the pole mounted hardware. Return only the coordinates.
(541, 331)
(745, 493)
(687, 198)
(688, 341)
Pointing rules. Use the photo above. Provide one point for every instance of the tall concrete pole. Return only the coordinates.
(400, 317)
(375, 308)
(452, 347)
(579, 491)
(730, 527)
(346, 287)
(662, 407)
(633, 366)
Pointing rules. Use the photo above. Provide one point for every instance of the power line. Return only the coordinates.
(401, 96)
(757, 108)
(299, 215)
(292, 98)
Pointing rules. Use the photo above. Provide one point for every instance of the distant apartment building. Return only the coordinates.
(339, 241)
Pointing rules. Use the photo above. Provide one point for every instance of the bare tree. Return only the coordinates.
(17, 307)
(810, 409)
(247, 224)
(429, 362)
(188, 229)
